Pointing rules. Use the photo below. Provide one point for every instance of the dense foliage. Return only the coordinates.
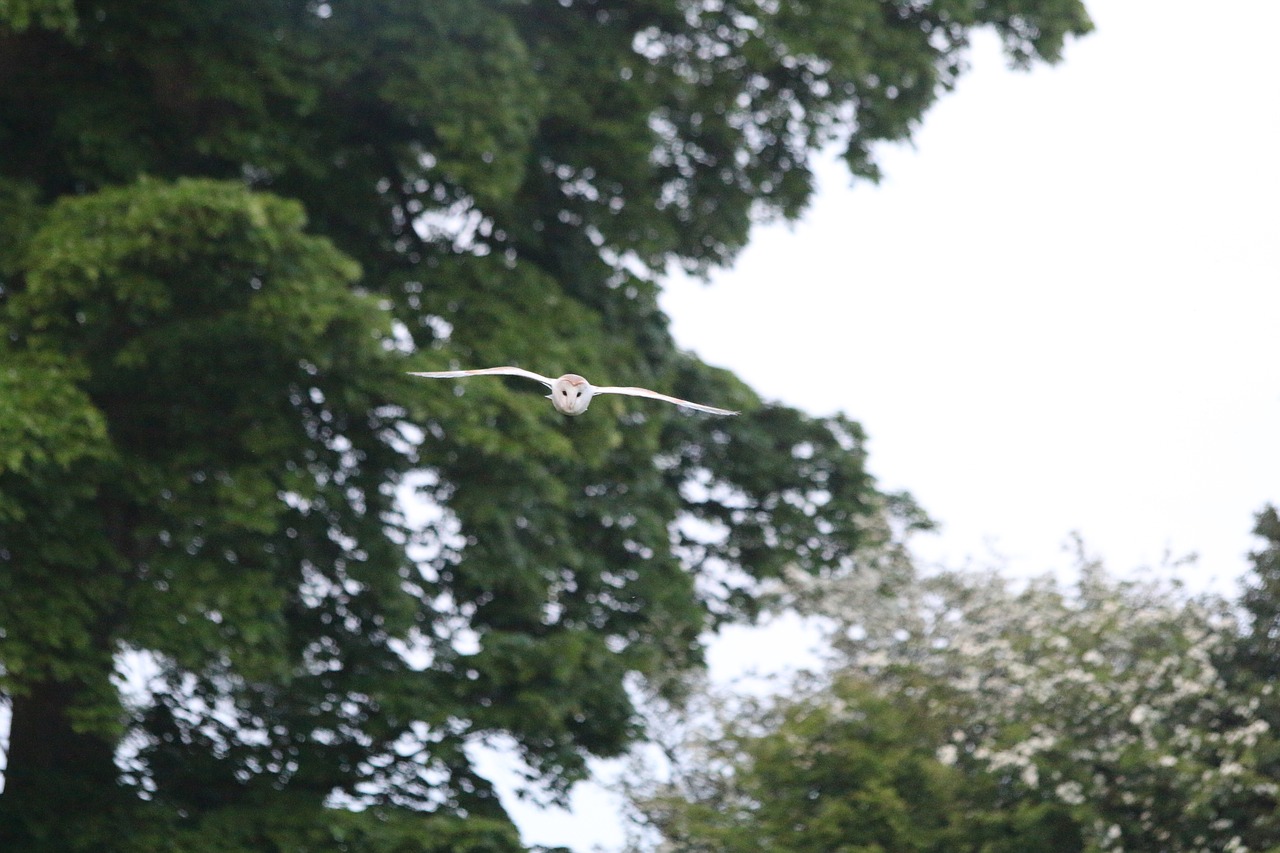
(1251, 666)
(851, 767)
(964, 711)
(228, 228)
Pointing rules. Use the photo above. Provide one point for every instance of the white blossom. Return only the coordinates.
(1030, 775)
(1071, 793)
(1106, 689)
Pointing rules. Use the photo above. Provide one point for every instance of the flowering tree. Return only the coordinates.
(849, 768)
(1102, 695)
(1093, 715)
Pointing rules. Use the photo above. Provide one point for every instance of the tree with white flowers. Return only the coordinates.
(1093, 715)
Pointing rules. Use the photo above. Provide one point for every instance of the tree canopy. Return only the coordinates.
(965, 711)
(249, 573)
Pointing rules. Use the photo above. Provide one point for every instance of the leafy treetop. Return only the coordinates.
(228, 228)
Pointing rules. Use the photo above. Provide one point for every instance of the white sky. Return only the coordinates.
(1059, 312)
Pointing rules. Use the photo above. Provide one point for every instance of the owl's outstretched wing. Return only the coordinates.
(645, 392)
(487, 371)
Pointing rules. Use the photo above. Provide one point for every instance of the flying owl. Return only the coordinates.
(571, 393)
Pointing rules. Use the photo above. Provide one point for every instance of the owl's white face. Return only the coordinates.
(571, 394)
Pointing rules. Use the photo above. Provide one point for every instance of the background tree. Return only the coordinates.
(1259, 646)
(966, 712)
(1104, 695)
(1250, 668)
(229, 227)
(846, 767)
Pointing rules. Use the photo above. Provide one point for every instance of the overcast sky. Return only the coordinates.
(1060, 311)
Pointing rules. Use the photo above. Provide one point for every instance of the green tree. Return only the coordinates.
(1260, 642)
(1250, 668)
(1103, 697)
(964, 712)
(848, 768)
(228, 228)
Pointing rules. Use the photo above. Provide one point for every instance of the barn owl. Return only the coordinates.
(571, 394)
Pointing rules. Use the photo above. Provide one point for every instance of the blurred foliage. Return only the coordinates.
(851, 768)
(1250, 668)
(19, 15)
(246, 565)
(964, 711)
